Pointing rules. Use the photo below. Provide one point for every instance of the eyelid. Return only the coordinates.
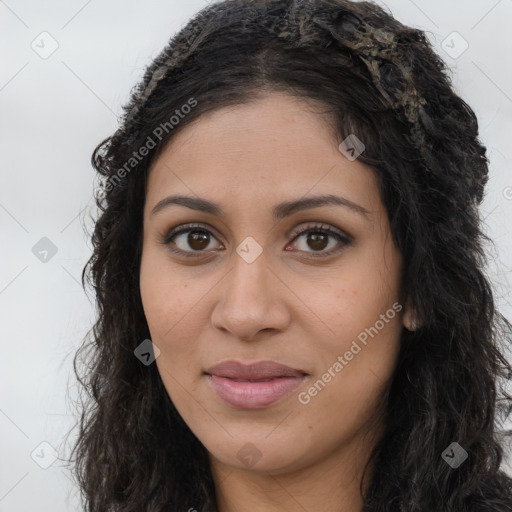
(320, 226)
(166, 237)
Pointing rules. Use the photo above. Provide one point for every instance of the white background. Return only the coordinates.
(53, 113)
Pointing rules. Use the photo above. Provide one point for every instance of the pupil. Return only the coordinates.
(198, 240)
(316, 239)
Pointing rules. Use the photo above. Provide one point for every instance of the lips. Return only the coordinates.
(253, 386)
(263, 370)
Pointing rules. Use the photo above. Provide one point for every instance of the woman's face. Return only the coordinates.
(245, 286)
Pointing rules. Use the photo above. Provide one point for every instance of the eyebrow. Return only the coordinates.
(279, 212)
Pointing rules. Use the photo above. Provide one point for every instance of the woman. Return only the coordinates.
(289, 269)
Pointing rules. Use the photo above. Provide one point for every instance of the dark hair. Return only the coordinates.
(381, 81)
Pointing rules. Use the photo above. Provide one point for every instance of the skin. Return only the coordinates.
(282, 307)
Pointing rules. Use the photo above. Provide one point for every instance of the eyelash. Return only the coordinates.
(319, 228)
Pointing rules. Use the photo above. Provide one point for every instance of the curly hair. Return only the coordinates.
(382, 81)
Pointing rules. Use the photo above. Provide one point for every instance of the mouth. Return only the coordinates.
(262, 370)
(255, 380)
(253, 386)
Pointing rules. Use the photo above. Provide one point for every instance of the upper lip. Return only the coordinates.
(254, 371)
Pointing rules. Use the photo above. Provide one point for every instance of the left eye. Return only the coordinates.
(198, 238)
(318, 237)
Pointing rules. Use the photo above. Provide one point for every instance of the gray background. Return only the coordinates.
(54, 110)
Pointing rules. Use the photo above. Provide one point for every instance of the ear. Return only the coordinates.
(410, 318)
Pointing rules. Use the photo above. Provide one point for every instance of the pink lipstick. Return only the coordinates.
(253, 386)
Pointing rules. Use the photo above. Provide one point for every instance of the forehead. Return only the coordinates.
(277, 147)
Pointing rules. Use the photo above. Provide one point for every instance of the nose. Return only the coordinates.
(252, 299)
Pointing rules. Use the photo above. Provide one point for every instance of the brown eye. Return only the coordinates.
(317, 239)
(189, 240)
(198, 240)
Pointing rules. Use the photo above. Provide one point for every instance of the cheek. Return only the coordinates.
(166, 296)
(154, 298)
(349, 299)
(352, 370)
(172, 307)
(361, 318)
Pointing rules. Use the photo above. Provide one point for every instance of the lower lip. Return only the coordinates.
(253, 395)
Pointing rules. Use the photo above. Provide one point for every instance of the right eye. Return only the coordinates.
(195, 236)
